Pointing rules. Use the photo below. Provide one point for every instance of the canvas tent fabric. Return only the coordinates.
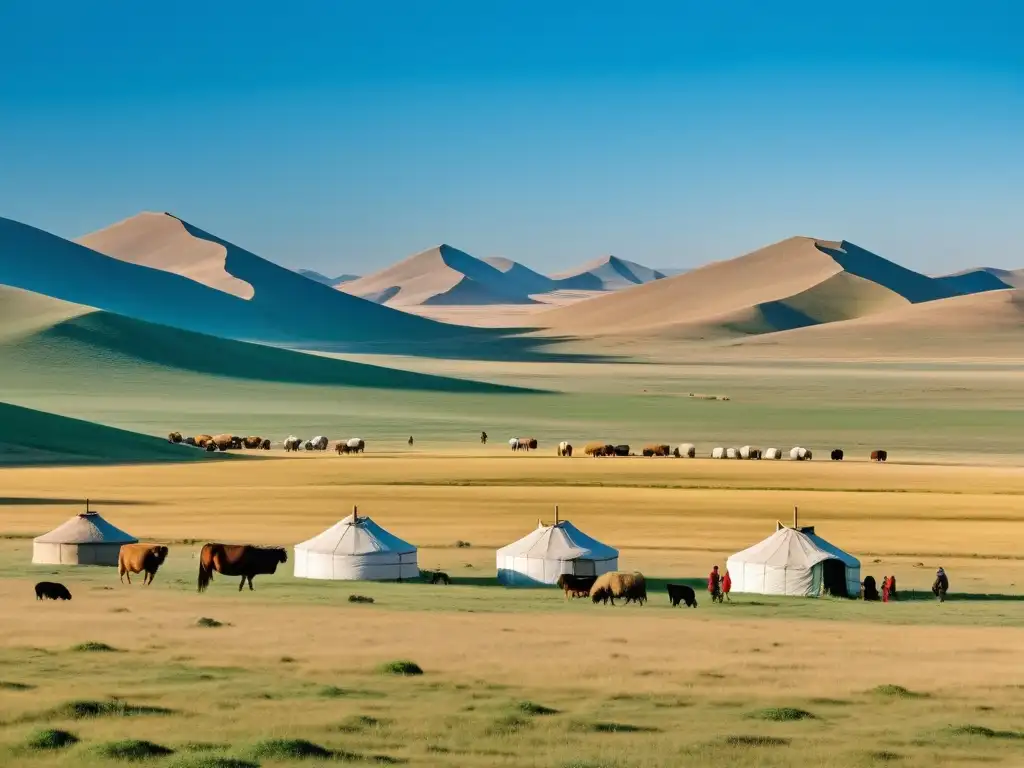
(356, 549)
(793, 562)
(85, 539)
(548, 551)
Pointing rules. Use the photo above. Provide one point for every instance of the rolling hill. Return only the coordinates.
(47, 338)
(608, 273)
(35, 437)
(331, 281)
(441, 275)
(521, 276)
(795, 283)
(285, 308)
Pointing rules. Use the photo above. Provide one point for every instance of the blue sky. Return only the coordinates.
(342, 136)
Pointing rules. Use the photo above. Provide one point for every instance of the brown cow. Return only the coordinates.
(242, 560)
(174, 437)
(657, 449)
(879, 455)
(135, 558)
(252, 442)
(202, 440)
(225, 442)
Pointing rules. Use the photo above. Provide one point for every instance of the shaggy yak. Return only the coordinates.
(656, 449)
(680, 593)
(226, 442)
(837, 454)
(202, 440)
(436, 577)
(210, 446)
(575, 586)
(292, 443)
(564, 449)
(174, 437)
(615, 584)
(619, 450)
(136, 558)
(242, 560)
(51, 590)
(265, 445)
(879, 455)
(252, 442)
(190, 441)
(594, 449)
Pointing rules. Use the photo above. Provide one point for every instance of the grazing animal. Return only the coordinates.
(341, 447)
(308, 445)
(437, 577)
(718, 452)
(774, 454)
(616, 584)
(356, 445)
(174, 437)
(210, 446)
(732, 453)
(135, 558)
(252, 442)
(657, 449)
(619, 450)
(531, 443)
(227, 442)
(293, 443)
(565, 449)
(575, 586)
(680, 593)
(686, 451)
(800, 454)
(879, 456)
(750, 452)
(242, 560)
(513, 443)
(319, 443)
(202, 440)
(265, 445)
(236, 442)
(837, 454)
(190, 441)
(595, 449)
(51, 590)
(870, 589)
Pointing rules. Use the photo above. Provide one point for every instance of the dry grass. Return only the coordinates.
(510, 673)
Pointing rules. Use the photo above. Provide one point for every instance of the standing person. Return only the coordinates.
(715, 585)
(941, 585)
(410, 441)
(727, 585)
(892, 587)
(483, 438)
(885, 589)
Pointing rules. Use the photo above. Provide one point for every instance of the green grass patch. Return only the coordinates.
(10, 685)
(358, 724)
(983, 732)
(212, 761)
(133, 750)
(85, 709)
(360, 599)
(51, 738)
(897, 692)
(206, 621)
(509, 725)
(830, 702)
(204, 746)
(334, 692)
(290, 749)
(884, 756)
(532, 708)
(756, 741)
(781, 715)
(400, 667)
(93, 647)
(582, 726)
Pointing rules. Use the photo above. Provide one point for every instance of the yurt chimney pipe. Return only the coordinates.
(355, 514)
(556, 514)
(796, 517)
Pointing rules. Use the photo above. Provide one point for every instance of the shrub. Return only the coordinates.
(93, 647)
(51, 739)
(133, 749)
(358, 723)
(213, 761)
(82, 710)
(359, 599)
(460, 544)
(531, 708)
(781, 714)
(8, 685)
(605, 727)
(756, 741)
(400, 667)
(984, 732)
(290, 749)
(206, 621)
(896, 692)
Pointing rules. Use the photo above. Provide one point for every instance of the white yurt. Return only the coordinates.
(356, 549)
(548, 551)
(795, 561)
(85, 539)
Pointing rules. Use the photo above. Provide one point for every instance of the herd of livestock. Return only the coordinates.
(255, 442)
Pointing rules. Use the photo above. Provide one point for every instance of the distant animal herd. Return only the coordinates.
(292, 443)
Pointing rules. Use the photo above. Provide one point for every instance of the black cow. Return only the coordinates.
(51, 590)
(680, 593)
(837, 454)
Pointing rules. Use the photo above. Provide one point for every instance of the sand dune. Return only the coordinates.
(794, 283)
(285, 308)
(608, 273)
(983, 279)
(442, 276)
(982, 325)
(521, 276)
(48, 338)
(37, 437)
(321, 278)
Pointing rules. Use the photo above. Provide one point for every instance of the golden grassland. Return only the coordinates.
(630, 686)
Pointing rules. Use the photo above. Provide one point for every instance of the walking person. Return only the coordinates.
(885, 589)
(727, 585)
(715, 585)
(941, 585)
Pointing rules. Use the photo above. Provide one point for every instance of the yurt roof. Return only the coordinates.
(561, 541)
(356, 535)
(791, 546)
(86, 528)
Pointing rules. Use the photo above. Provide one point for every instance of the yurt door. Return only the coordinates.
(584, 568)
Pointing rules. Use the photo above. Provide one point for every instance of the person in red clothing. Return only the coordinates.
(727, 585)
(892, 587)
(885, 589)
(715, 585)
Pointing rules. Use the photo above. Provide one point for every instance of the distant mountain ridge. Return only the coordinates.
(331, 281)
(608, 273)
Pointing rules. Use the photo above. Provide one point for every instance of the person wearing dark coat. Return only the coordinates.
(483, 438)
(870, 589)
(715, 585)
(941, 585)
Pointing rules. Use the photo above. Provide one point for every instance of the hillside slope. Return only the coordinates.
(285, 308)
(441, 275)
(48, 338)
(793, 283)
(607, 273)
(983, 279)
(36, 437)
(321, 278)
(982, 325)
(522, 276)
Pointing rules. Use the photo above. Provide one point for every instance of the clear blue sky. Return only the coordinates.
(342, 136)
